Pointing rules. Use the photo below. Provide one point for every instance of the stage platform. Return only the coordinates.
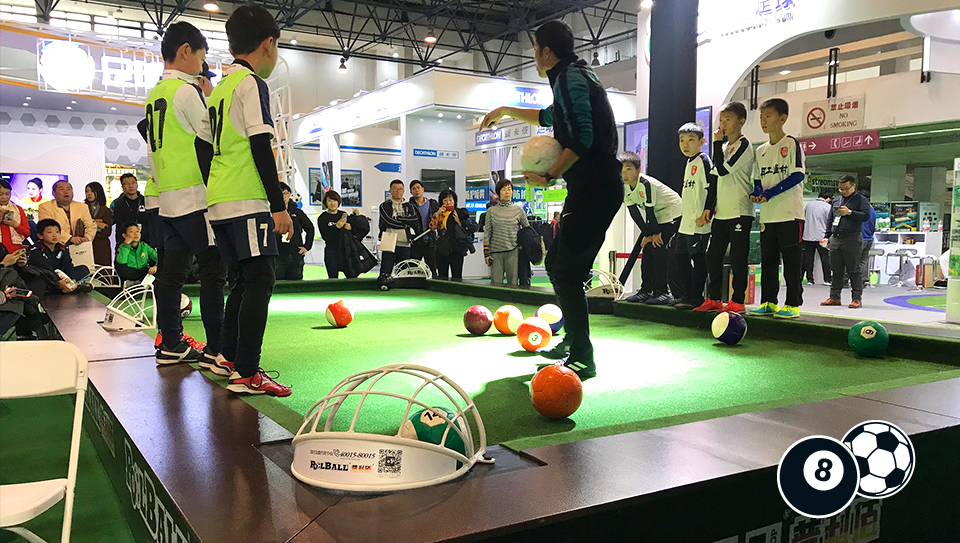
(190, 462)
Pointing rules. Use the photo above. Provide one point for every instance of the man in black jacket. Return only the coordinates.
(129, 208)
(426, 247)
(397, 217)
(292, 247)
(845, 232)
(583, 123)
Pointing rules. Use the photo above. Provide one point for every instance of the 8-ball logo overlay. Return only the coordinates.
(818, 476)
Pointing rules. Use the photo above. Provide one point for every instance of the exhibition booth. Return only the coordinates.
(424, 127)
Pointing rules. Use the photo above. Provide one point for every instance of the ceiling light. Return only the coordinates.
(395, 54)
(439, 114)
(430, 38)
(343, 66)
(596, 59)
(784, 72)
(646, 4)
(293, 41)
(28, 98)
(113, 108)
(459, 116)
(68, 107)
(25, 104)
(73, 101)
(439, 61)
(210, 5)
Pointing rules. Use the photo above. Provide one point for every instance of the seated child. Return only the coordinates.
(135, 259)
(52, 256)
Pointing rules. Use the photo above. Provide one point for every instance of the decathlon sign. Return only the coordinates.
(510, 95)
(68, 66)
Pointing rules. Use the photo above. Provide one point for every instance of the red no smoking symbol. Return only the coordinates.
(816, 118)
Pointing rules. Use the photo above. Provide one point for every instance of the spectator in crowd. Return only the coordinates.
(53, 257)
(455, 230)
(14, 226)
(845, 232)
(293, 246)
(816, 214)
(16, 308)
(500, 249)
(129, 207)
(869, 228)
(103, 219)
(34, 198)
(342, 235)
(135, 259)
(424, 248)
(76, 225)
(398, 220)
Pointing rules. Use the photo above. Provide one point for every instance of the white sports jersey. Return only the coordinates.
(652, 195)
(776, 162)
(695, 187)
(735, 186)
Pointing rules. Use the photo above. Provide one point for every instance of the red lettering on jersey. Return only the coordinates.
(783, 152)
(693, 170)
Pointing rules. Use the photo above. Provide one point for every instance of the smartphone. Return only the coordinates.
(448, 208)
(20, 293)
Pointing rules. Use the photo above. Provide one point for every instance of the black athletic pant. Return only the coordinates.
(245, 317)
(691, 261)
(657, 262)
(388, 260)
(781, 240)
(524, 270)
(452, 263)
(425, 249)
(172, 275)
(845, 257)
(734, 233)
(289, 267)
(595, 194)
(810, 249)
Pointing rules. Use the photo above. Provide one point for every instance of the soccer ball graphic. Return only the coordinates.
(884, 455)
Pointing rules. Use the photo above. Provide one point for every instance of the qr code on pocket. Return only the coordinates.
(389, 463)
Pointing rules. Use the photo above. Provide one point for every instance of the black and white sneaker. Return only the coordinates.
(559, 352)
(183, 352)
(584, 370)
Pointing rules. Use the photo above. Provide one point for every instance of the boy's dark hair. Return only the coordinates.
(503, 183)
(126, 175)
(825, 193)
(691, 128)
(736, 108)
(447, 192)
(180, 33)
(415, 182)
(285, 187)
(36, 181)
(332, 195)
(848, 179)
(396, 182)
(248, 26)
(778, 104)
(47, 223)
(128, 225)
(556, 35)
(629, 157)
(5, 185)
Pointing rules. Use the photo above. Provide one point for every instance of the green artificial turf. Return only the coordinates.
(650, 374)
(34, 446)
(314, 271)
(936, 302)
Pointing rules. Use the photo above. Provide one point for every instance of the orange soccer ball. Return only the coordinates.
(556, 391)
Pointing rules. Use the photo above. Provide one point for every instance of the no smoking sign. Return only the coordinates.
(816, 117)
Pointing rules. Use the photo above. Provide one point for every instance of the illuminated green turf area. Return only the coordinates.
(935, 302)
(650, 374)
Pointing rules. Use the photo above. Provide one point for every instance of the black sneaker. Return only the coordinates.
(586, 369)
(183, 352)
(207, 356)
(559, 352)
(685, 304)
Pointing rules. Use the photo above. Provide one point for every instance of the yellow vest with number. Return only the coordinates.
(172, 146)
(233, 173)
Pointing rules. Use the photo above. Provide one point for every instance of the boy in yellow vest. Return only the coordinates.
(179, 144)
(245, 202)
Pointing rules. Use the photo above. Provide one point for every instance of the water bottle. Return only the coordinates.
(926, 225)
(940, 226)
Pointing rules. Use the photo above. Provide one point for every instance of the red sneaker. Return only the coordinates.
(734, 307)
(258, 383)
(709, 305)
(219, 365)
(198, 345)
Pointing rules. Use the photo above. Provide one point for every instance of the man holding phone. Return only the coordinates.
(18, 306)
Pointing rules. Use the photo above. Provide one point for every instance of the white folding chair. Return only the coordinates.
(30, 369)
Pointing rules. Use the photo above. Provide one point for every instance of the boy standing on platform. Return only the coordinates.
(246, 204)
(731, 226)
(778, 188)
(699, 200)
(180, 151)
(656, 209)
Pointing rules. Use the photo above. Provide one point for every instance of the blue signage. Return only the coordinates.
(489, 136)
(391, 167)
(525, 97)
(519, 194)
(476, 206)
(425, 152)
(478, 194)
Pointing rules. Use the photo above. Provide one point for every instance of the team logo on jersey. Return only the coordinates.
(693, 170)
(783, 152)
